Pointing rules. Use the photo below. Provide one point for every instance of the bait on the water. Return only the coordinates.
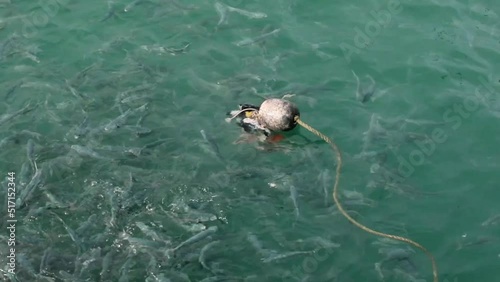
(276, 115)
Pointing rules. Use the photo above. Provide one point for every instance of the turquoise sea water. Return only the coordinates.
(115, 94)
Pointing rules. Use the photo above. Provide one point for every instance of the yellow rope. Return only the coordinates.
(346, 215)
(249, 113)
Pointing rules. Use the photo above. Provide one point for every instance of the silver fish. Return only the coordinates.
(199, 217)
(24, 133)
(364, 95)
(396, 253)
(124, 270)
(222, 11)
(31, 134)
(138, 130)
(321, 243)
(197, 237)
(70, 231)
(148, 231)
(136, 151)
(293, 196)
(86, 224)
(210, 141)
(30, 187)
(8, 47)
(238, 80)
(111, 11)
(75, 93)
(134, 98)
(106, 263)
(118, 122)
(480, 240)
(251, 15)
(250, 41)
(66, 276)
(53, 201)
(400, 274)
(144, 244)
(378, 269)
(25, 173)
(87, 152)
(493, 220)
(325, 183)
(197, 227)
(356, 198)
(220, 278)
(153, 266)
(202, 258)
(139, 89)
(12, 89)
(156, 143)
(375, 132)
(113, 203)
(285, 255)
(83, 262)
(81, 75)
(82, 128)
(131, 5)
(252, 238)
(129, 183)
(44, 259)
(174, 51)
(30, 152)
(5, 141)
(28, 267)
(7, 117)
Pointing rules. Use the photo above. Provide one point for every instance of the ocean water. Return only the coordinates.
(103, 104)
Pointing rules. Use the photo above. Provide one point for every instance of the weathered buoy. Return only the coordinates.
(278, 115)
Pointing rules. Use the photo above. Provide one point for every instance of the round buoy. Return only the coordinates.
(278, 115)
